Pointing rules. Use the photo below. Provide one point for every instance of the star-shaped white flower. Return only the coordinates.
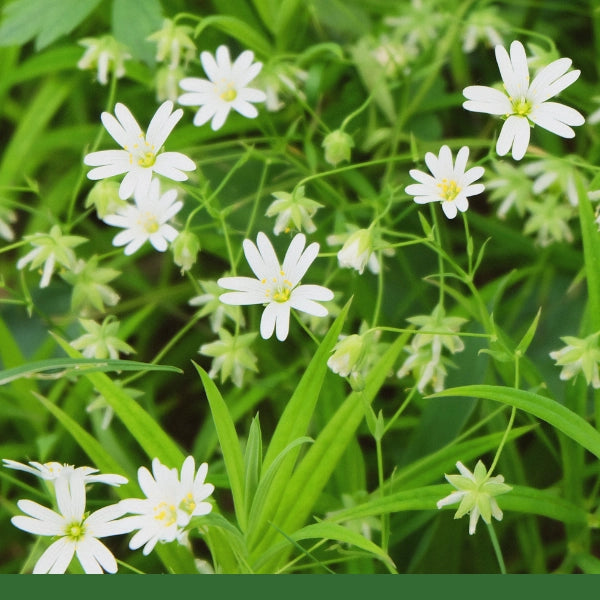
(276, 285)
(51, 471)
(450, 184)
(524, 104)
(225, 88)
(146, 220)
(76, 532)
(475, 492)
(169, 505)
(141, 155)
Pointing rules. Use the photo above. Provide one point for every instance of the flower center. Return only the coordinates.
(142, 152)
(166, 513)
(521, 107)
(449, 189)
(149, 222)
(75, 530)
(281, 290)
(228, 92)
(187, 504)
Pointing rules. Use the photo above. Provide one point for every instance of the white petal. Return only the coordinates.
(107, 157)
(473, 174)
(556, 87)
(486, 99)
(245, 108)
(243, 298)
(95, 556)
(312, 292)
(255, 260)
(548, 75)
(297, 271)
(515, 133)
(127, 120)
(56, 558)
(220, 116)
(115, 129)
(461, 162)
(241, 284)
(556, 118)
(308, 306)
(449, 208)
(267, 321)
(205, 114)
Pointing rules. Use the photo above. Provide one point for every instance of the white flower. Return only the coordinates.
(357, 252)
(101, 340)
(579, 354)
(76, 532)
(169, 505)
(141, 155)
(225, 88)
(50, 249)
(276, 285)
(104, 53)
(51, 471)
(524, 104)
(475, 493)
(450, 184)
(146, 220)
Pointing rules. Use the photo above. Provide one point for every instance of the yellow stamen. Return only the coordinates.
(449, 189)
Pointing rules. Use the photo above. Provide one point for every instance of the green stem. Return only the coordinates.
(497, 549)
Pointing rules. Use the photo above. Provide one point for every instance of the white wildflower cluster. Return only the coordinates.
(542, 193)
(165, 515)
(425, 361)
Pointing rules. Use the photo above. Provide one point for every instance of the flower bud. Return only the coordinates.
(347, 354)
(337, 147)
(104, 196)
(185, 250)
(356, 250)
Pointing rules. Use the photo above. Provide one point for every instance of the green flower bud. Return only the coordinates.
(185, 250)
(347, 355)
(104, 196)
(337, 147)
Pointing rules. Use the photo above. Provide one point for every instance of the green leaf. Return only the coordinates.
(267, 477)
(326, 530)
(293, 424)
(238, 29)
(252, 461)
(308, 480)
(230, 445)
(560, 417)
(528, 337)
(45, 19)
(133, 21)
(145, 430)
(55, 368)
(520, 499)
(591, 254)
(429, 468)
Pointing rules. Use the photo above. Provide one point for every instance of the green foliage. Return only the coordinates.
(475, 337)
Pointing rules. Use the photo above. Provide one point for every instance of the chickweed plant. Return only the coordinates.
(293, 287)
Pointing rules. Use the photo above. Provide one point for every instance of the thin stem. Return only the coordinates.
(497, 549)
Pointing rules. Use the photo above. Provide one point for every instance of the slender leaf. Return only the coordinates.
(146, 431)
(520, 499)
(332, 531)
(230, 445)
(293, 424)
(557, 415)
(238, 29)
(316, 468)
(591, 254)
(53, 368)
